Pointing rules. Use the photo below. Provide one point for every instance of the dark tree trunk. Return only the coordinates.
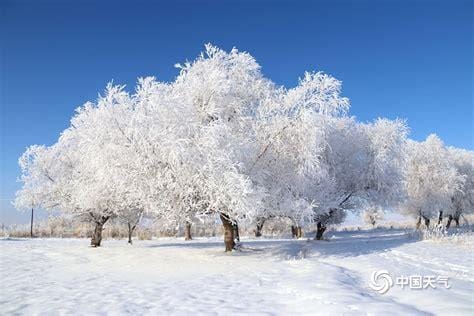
(132, 227)
(130, 237)
(456, 219)
(418, 222)
(293, 231)
(296, 232)
(235, 229)
(299, 232)
(130, 233)
(320, 231)
(97, 234)
(228, 233)
(187, 231)
(31, 227)
(258, 231)
(427, 221)
(450, 219)
(440, 217)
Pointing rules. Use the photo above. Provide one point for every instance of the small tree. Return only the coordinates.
(131, 217)
(372, 215)
(33, 164)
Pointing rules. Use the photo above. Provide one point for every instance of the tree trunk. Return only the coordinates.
(440, 217)
(456, 219)
(320, 231)
(258, 231)
(130, 232)
(299, 232)
(293, 231)
(235, 229)
(31, 227)
(97, 234)
(450, 219)
(228, 233)
(418, 222)
(187, 231)
(427, 221)
(296, 232)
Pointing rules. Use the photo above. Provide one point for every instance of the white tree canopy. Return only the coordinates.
(223, 139)
(431, 178)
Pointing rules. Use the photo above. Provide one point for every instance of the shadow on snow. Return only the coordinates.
(342, 243)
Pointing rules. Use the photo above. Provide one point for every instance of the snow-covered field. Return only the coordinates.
(267, 277)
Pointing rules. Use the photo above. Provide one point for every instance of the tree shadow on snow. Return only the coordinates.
(356, 243)
(188, 244)
(341, 243)
(247, 244)
(14, 239)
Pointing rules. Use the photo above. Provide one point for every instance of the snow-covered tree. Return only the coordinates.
(290, 127)
(83, 173)
(222, 92)
(131, 218)
(462, 201)
(34, 179)
(365, 164)
(223, 140)
(372, 215)
(431, 179)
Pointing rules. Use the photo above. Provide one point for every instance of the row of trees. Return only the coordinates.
(222, 139)
(439, 181)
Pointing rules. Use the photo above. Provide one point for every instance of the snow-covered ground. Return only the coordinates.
(268, 277)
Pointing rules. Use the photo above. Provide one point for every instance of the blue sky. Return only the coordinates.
(406, 59)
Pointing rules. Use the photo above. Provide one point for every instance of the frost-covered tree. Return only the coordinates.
(290, 127)
(103, 183)
(34, 177)
(222, 91)
(83, 174)
(372, 215)
(431, 179)
(462, 201)
(131, 218)
(219, 140)
(365, 164)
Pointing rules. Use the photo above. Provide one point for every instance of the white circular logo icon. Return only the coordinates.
(381, 281)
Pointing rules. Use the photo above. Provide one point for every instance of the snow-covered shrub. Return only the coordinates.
(372, 215)
(460, 236)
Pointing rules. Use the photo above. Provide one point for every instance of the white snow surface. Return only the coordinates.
(267, 277)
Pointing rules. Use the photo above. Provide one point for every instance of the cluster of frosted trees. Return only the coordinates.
(222, 140)
(439, 181)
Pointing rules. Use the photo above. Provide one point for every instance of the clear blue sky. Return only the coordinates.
(407, 59)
